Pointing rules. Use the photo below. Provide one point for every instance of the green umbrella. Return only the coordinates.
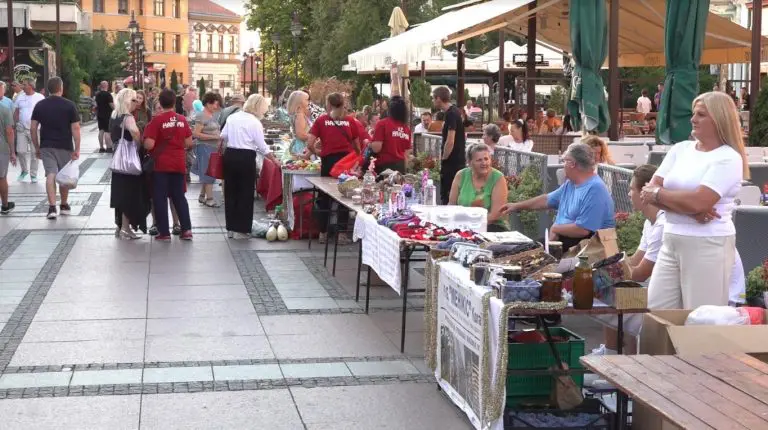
(684, 30)
(589, 42)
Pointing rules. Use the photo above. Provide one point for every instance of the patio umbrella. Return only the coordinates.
(589, 41)
(397, 22)
(684, 30)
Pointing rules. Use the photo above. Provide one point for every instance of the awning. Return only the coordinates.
(426, 40)
(445, 62)
(514, 51)
(641, 32)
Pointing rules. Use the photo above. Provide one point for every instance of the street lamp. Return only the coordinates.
(245, 58)
(276, 41)
(258, 61)
(133, 28)
(296, 29)
(252, 54)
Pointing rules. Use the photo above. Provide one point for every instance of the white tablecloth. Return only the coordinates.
(294, 180)
(381, 249)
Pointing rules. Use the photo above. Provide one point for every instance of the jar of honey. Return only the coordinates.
(513, 273)
(552, 287)
(556, 250)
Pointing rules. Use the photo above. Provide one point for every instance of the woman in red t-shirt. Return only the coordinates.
(391, 143)
(338, 135)
(167, 137)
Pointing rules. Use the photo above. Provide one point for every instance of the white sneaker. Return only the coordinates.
(241, 236)
(602, 350)
(230, 234)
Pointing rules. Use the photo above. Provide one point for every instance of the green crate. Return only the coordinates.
(538, 357)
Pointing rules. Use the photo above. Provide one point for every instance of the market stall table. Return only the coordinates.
(714, 391)
(295, 181)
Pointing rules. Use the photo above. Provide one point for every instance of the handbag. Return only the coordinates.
(215, 166)
(126, 157)
(149, 161)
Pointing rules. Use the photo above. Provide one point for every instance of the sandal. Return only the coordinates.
(153, 231)
(176, 230)
(201, 199)
(212, 203)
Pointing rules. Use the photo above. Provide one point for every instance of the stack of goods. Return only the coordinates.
(349, 187)
(409, 226)
(305, 165)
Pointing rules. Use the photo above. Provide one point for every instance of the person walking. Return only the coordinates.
(236, 105)
(206, 133)
(244, 138)
(59, 126)
(16, 88)
(454, 141)
(166, 137)
(7, 152)
(23, 106)
(104, 106)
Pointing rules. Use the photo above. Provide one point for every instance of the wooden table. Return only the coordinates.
(713, 391)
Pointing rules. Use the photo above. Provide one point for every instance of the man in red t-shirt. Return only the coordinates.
(392, 138)
(166, 137)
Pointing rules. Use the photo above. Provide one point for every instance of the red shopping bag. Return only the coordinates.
(215, 166)
(345, 164)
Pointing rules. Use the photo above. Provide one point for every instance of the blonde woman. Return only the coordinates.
(244, 137)
(129, 197)
(696, 185)
(298, 110)
(599, 149)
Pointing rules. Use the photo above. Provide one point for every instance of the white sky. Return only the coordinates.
(249, 39)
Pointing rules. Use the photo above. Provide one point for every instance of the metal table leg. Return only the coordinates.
(314, 198)
(622, 402)
(327, 234)
(404, 292)
(336, 243)
(359, 269)
(368, 289)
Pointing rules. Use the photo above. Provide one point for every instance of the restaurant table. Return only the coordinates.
(712, 391)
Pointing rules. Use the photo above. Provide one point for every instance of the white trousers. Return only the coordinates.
(26, 150)
(692, 271)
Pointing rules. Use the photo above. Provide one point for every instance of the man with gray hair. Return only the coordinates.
(7, 150)
(22, 114)
(583, 203)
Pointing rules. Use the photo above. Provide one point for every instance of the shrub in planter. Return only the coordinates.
(526, 186)
(757, 284)
(629, 230)
(426, 161)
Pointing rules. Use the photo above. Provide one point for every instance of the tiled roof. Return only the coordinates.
(206, 7)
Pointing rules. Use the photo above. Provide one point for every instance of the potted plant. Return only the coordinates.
(629, 230)
(757, 285)
(526, 186)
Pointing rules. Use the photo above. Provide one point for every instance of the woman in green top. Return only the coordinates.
(480, 185)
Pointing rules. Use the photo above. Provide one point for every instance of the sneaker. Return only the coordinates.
(33, 179)
(102, 150)
(230, 234)
(187, 235)
(22, 176)
(163, 237)
(153, 231)
(51, 212)
(110, 150)
(65, 209)
(7, 208)
(176, 230)
(241, 236)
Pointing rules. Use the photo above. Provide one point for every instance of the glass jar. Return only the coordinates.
(556, 250)
(583, 285)
(369, 195)
(513, 273)
(552, 287)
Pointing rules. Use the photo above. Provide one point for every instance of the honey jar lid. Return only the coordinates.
(555, 243)
(513, 269)
(552, 276)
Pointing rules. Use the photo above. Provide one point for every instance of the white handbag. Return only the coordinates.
(126, 158)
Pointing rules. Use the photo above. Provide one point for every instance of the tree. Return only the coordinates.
(252, 89)
(557, 99)
(421, 93)
(758, 119)
(201, 87)
(174, 80)
(365, 98)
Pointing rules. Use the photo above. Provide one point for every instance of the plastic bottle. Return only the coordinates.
(583, 285)
(430, 194)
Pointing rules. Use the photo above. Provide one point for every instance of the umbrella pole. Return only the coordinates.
(530, 67)
(754, 83)
(614, 92)
(501, 75)
(460, 74)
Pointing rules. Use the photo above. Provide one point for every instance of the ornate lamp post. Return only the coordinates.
(251, 54)
(245, 59)
(133, 27)
(276, 41)
(258, 62)
(296, 29)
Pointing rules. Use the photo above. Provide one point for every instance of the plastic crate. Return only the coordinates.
(539, 357)
(602, 418)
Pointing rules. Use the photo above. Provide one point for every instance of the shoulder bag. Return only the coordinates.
(126, 158)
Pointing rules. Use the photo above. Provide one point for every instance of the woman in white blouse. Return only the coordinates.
(696, 185)
(518, 140)
(243, 135)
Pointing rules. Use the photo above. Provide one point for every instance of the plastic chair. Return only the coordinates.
(751, 234)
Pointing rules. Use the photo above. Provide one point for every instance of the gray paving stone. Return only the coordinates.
(199, 308)
(198, 292)
(100, 351)
(376, 368)
(310, 303)
(91, 311)
(244, 325)
(258, 371)
(68, 331)
(109, 412)
(177, 374)
(103, 377)
(23, 380)
(162, 348)
(15, 276)
(315, 370)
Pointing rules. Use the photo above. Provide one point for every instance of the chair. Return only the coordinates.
(759, 174)
(751, 234)
(660, 148)
(656, 157)
(756, 154)
(749, 195)
(630, 154)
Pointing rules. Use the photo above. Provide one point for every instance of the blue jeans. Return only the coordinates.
(169, 185)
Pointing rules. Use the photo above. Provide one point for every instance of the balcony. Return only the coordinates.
(41, 16)
(214, 56)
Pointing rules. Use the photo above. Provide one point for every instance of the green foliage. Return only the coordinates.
(629, 230)
(758, 119)
(365, 97)
(174, 80)
(635, 79)
(557, 99)
(252, 88)
(421, 93)
(527, 186)
(201, 87)
(757, 281)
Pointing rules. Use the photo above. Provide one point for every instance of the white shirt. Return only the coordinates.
(650, 241)
(644, 104)
(509, 142)
(244, 131)
(419, 128)
(686, 168)
(26, 104)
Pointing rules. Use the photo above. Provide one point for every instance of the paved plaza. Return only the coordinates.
(101, 333)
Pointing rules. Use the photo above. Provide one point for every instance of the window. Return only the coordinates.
(159, 42)
(98, 6)
(175, 11)
(198, 47)
(225, 84)
(210, 42)
(176, 43)
(159, 7)
(221, 43)
(232, 45)
(141, 7)
(123, 36)
(122, 7)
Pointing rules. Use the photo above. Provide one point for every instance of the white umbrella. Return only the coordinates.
(397, 22)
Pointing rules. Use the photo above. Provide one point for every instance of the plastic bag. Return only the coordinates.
(345, 164)
(259, 228)
(69, 174)
(717, 315)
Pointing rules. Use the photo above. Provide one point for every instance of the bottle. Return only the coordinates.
(583, 285)
(369, 195)
(430, 194)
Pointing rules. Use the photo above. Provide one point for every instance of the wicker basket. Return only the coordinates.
(347, 188)
(630, 298)
(531, 261)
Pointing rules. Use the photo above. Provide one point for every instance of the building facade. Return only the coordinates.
(214, 50)
(164, 25)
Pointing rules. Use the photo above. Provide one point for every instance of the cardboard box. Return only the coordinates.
(664, 333)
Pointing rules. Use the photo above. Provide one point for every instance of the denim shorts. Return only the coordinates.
(203, 155)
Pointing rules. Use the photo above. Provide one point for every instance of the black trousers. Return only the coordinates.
(324, 201)
(447, 173)
(169, 185)
(239, 177)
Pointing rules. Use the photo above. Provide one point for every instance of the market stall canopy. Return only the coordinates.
(641, 32)
(445, 62)
(514, 52)
(426, 40)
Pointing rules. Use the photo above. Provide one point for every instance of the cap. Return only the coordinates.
(237, 98)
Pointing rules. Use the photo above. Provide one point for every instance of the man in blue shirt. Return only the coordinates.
(583, 203)
(5, 101)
